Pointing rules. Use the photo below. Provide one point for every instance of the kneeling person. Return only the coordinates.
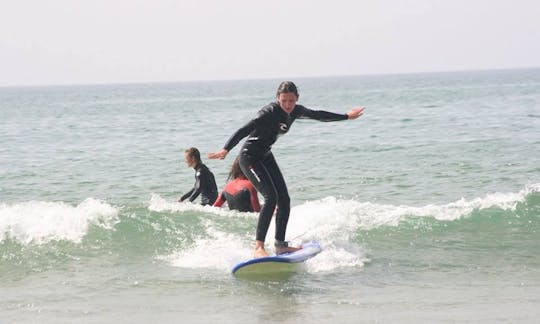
(239, 192)
(205, 183)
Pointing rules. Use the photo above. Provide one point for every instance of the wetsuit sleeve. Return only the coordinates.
(194, 193)
(262, 116)
(184, 197)
(220, 201)
(321, 115)
(239, 135)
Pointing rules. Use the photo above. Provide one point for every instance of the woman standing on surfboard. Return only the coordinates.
(258, 163)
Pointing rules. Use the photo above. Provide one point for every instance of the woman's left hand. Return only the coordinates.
(356, 112)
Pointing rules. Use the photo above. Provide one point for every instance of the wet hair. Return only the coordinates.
(194, 153)
(236, 171)
(287, 87)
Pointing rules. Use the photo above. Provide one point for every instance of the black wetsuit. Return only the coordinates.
(258, 163)
(240, 201)
(205, 185)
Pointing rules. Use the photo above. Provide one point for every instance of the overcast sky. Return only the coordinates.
(115, 41)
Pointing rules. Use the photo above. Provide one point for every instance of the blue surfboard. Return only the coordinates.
(277, 264)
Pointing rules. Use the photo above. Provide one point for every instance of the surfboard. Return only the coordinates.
(277, 264)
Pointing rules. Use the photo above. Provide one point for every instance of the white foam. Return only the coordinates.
(333, 257)
(330, 214)
(219, 250)
(531, 188)
(159, 204)
(331, 221)
(40, 222)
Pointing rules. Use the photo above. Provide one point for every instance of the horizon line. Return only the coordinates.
(82, 84)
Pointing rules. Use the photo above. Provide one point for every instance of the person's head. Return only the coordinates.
(236, 171)
(192, 157)
(287, 96)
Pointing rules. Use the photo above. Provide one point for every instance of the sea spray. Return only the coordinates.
(334, 222)
(40, 222)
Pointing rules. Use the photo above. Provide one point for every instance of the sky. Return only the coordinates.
(48, 42)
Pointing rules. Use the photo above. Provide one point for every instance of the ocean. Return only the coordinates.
(427, 207)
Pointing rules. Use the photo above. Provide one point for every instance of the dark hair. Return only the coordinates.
(194, 153)
(236, 171)
(287, 87)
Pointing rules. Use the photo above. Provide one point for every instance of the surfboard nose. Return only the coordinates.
(284, 263)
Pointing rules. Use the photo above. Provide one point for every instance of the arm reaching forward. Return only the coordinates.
(221, 154)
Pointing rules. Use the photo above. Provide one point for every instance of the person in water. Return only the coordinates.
(239, 192)
(205, 183)
(258, 163)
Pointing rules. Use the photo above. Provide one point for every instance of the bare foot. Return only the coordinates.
(260, 252)
(286, 249)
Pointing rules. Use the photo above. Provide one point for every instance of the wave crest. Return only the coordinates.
(333, 213)
(40, 222)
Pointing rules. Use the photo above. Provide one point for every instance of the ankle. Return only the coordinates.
(259, 245)
(281, 244)
(259, 250)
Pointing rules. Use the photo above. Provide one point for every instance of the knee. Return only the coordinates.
(270, 200)
(284, 201)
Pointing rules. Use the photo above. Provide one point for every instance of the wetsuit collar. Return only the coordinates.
(283, 111)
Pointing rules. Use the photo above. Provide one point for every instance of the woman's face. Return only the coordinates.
(287, 101)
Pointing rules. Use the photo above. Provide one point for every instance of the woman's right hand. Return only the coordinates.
(221, 154)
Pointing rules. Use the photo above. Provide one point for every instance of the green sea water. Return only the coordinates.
(427, 207)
